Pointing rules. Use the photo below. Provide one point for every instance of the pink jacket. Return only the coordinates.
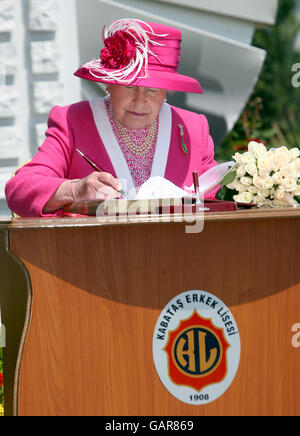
(73, 126)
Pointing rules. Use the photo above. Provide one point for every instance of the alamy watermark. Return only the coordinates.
(162, 210)
(296, 336)
(159, 209)
(296, 76)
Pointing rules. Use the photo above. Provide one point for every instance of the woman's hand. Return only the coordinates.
(96, 186)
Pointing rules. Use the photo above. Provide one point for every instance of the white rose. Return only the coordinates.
(264, 162)
(247, 181)
(297, 163)
(257, 181)
(274, 160)
(294, 153)
(264, 193)
(252, 146)
(279, 193)
(289, 184)
(297, 191)
(257, 149)
(238, 158)
(268, 202)
(241, 171)
(251, 169)
(233, 184)
(253, 190)
(283, 155)
(248, 158)
(264, 173)
(257, 200)
(245, 197)
(267, 183)
(264, 167)
(281, 150)
(289, 170)
(289, 199)
(260, 201)
(277, 178)
(241, 188)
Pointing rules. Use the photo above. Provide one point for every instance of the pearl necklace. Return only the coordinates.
(138, 150)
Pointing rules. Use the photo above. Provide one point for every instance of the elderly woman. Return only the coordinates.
(131, 135)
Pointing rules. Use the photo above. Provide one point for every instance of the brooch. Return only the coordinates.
(181, 134)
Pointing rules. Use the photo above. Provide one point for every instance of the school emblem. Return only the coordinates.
(197, 353)
(196, 347)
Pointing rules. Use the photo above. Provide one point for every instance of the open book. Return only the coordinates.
(154, 193)
(158, 187)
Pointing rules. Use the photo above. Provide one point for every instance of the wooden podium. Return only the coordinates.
(80, 299)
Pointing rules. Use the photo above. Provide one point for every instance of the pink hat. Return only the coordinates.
(137, 53)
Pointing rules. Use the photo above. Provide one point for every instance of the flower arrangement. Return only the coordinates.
(264, 177)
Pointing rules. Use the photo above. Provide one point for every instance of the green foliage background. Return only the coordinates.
(272, 114)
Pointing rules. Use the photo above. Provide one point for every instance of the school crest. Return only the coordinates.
(196, 347)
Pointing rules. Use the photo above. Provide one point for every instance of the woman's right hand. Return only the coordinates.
(96, 186)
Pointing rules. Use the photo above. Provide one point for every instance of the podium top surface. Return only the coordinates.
(248, 214)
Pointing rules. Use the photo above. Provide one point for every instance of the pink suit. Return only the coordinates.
(73, 126)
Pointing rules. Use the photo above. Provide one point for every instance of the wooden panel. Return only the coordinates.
(97, 294)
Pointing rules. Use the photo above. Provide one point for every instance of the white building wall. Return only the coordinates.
(38, 55)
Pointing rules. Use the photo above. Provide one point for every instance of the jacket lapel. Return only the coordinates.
(114, 151)
(163, 142)
(178, 164)
(111, 144)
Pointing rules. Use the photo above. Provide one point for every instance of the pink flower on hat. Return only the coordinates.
(118, 51)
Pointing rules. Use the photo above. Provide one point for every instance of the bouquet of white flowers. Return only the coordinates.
(264, 177)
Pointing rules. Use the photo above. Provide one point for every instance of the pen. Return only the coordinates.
(100, 170)
(89, 161)
(196, 186)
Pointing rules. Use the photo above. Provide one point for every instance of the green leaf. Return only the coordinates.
(184, 147)
(297, 199)
(229, 178)
(226, 194)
